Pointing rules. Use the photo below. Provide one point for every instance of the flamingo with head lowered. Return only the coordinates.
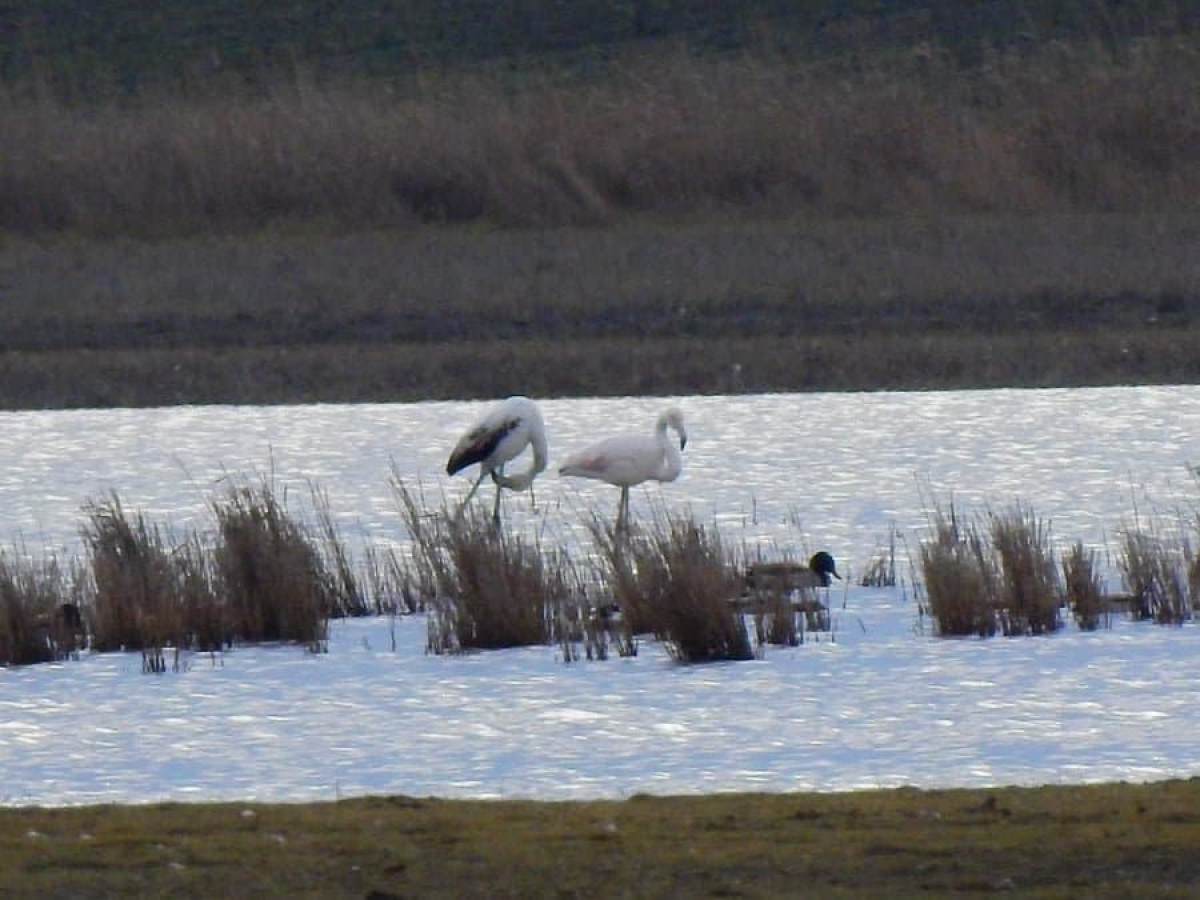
(498, 438)
(629, 459)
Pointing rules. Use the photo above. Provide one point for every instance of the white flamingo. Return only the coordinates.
(499, 437)
(629, 459)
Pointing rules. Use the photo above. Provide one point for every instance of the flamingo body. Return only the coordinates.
(498, 438)
(629, 459)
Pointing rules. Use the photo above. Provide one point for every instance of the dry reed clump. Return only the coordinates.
(1083, 590)
(1030, 595)
(391, 584)
(695, 619)
(270, 574)
(684, 582)
(1190, 546)
(488, 589)
(1194, 573)
(1002, 578)
(40, 616)
(588, 623)
(417, 577)
(777, 621)
(344, 590)
(1067, 127)
(1157, 577)
(959, 578)
(633, 574)
(205, 613)
(265, 579)
(605, 617)
(135, 587)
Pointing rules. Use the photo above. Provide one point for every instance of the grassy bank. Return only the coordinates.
(412, 314)
(1102, 841)
(681, 198)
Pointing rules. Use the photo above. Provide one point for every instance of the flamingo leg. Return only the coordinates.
(623, 510)
(471, 493)
(496, 508)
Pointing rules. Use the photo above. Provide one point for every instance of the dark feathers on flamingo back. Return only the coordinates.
(481, 443)
(501, 436)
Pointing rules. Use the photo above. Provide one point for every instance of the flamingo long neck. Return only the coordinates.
(523, 480)
(672, 461)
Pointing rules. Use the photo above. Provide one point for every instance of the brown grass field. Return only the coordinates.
(675, 224)
(640, 308)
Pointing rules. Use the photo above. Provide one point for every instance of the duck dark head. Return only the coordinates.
(823, 566)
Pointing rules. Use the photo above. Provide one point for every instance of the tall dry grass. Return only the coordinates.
(1193, 572)
(1158, 575)
(693, 616)
(487, 588)
(1082, 588)
(1030, 591)
(39, 610)
(674, 579)
(632, 571)
(390, 583)
(1059, 127)
(959, 577)
(263, 574)
(266, 578)
(344, 588)
(209, 626)
(136, 602)
(880, 571)
(992, 574)
(777, 621)
(271, 574)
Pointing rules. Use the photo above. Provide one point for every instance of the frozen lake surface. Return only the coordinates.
(878, 703)
(782, 471)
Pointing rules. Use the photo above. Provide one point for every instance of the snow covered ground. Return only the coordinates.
(877, 705)
(880, 702)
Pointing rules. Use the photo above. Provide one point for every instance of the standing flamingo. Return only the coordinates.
(499, 437)
(629, 459)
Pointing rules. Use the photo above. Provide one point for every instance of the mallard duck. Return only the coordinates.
(791, 576)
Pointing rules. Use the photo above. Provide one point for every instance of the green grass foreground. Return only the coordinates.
(1117, 840)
